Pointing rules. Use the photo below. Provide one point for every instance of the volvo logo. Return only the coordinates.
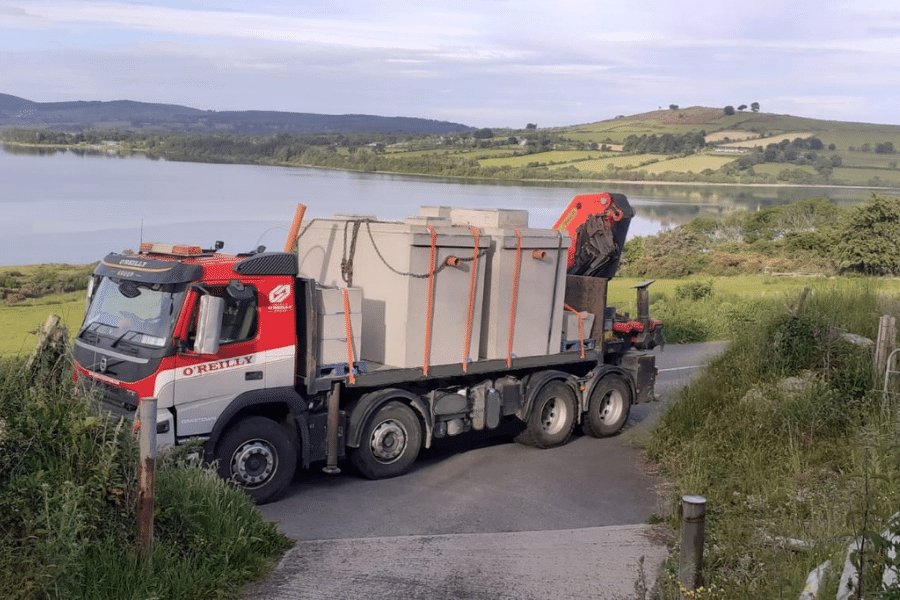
(103, 364)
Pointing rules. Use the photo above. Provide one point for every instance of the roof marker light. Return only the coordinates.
(172, 249)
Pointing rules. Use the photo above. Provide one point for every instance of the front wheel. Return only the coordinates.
(552, 417)
(608, 407)
(390, 443)
(258, 455)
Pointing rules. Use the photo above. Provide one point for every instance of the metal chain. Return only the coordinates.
(347, 262)
(437, 269)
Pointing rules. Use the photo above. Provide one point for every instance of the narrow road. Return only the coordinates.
(588, 499)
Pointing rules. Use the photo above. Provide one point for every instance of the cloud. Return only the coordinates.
(498, 61)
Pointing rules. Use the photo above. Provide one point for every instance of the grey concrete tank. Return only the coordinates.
(390, 261)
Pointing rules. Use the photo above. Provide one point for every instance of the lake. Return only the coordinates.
(63, 206)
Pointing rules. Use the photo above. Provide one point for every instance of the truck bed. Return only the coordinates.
(379, 375)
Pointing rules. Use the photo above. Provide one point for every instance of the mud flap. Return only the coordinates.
(642, 367)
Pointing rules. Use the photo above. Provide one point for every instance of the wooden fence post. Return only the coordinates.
(887, 342)
(147, 476)
(50, 334)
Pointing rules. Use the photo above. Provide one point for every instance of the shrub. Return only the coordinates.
(786, 440)
(68, 476)
(695, 290)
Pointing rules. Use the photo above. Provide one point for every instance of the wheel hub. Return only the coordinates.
(553, 416)
(610, 407)
(388, 441)
(253, 463)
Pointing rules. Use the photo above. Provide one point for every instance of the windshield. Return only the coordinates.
(140, 313)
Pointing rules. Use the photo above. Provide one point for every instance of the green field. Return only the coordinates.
(20, 322)
(621, 293)
(773, 139)
(867, 176)
(696, 163)
(774, 169)
(551, 157)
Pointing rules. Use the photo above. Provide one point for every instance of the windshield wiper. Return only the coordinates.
(90, 327)
(119, 339)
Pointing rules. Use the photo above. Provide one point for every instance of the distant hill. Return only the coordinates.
(128, 115)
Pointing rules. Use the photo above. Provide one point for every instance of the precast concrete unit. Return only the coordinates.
(526, 281)
(422, 284)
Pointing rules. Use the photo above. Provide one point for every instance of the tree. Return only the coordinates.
(483, 134)
(871, 238)
(673, 107)
(729, 110)
(531, 126)
(742, 107)
(754, 106)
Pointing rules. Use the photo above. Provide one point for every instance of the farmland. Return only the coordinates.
(697, 144)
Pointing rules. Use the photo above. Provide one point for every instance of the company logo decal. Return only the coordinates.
(219, 365)
(280, 293)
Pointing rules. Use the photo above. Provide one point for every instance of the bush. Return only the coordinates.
(68, 475)
(785, 438)
(695, 290)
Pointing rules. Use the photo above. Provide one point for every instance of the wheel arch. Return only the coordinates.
(369, 403)
(536, 381)
(604, 372)
(278, 404)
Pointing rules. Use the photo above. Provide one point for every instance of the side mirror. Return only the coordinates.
(209, 324)
(92, 283)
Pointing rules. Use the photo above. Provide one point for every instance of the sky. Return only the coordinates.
(487, 63)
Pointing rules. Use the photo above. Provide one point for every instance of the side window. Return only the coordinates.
(239, 323)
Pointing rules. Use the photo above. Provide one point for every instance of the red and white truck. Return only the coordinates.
(368, 340)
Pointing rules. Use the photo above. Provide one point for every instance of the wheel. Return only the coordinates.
(390, 442)
(608, 407)
(258, 455)
(552, 417)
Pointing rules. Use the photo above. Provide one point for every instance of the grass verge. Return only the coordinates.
(794, 449)
(68, 476)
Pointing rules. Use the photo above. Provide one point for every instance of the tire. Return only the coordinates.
(257, 455)
(608, 407)
(390, 442)
(552, 417)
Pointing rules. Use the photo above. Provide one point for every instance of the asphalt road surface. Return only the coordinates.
(483, 483)
(484, 517)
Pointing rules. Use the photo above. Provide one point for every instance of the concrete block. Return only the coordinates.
(570, 325)
(331, 300)
(490, 218)
(334, 326)
(435, 211)
(433, 221)
(334, 351)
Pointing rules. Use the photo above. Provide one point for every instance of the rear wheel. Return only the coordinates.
(608, 407)
(258, 455)
(390, 442)
(552, 417)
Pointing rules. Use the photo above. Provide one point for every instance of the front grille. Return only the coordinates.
(118, 401)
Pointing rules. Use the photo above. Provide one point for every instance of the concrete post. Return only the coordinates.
(693, 534)
(146, 477)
